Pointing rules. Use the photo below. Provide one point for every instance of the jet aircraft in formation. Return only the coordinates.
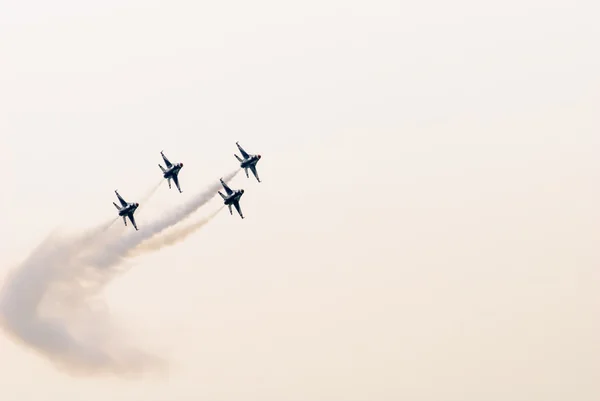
(126, 210)
(171, 172)
(232, 198)
(248, 162)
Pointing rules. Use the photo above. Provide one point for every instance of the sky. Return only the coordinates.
(427, 223)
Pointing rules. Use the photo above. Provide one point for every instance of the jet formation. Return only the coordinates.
(171, 172)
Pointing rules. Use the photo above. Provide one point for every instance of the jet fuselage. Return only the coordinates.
(173, 170)
(234, 197)
(130, 208)
(251, 161)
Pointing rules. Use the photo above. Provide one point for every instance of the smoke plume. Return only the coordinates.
(53, 302)
(175, 236)
(149, 194)
(113, 252)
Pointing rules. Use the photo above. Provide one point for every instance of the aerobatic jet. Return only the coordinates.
(232, 198)
(248, 161)
(126, 210)
(171, 172)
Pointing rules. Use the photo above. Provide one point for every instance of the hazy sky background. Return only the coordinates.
(428, 220)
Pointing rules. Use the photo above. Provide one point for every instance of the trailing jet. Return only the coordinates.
(232, 198)
(248, 161)
(171, 172)
(126, 210)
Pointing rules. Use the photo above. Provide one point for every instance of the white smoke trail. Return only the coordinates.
(52, 304)
(144, 199)
(113, 252)
(173, 237)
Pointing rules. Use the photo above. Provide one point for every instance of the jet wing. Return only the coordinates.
(130, 215)
(176, 181)
(239, 209)
(227, 189)
(253, 168)
(242, 151)
(167, 162)
(123, 203)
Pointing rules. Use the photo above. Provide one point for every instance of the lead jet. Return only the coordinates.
(248, 162)
(126, 210)
(232, 198)
(171, 172)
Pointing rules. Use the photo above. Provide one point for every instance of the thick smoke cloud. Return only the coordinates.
(53, 302)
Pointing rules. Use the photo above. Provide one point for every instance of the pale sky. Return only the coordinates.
(427, 224)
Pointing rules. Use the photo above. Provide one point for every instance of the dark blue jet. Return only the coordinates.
(248, 162)
(232, 198)
(171, 172)
(126, 210)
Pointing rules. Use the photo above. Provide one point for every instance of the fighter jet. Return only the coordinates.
(248, 161)
(232, 198)
(126, 210)
(171, 172)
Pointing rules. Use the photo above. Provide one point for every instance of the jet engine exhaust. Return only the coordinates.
(148, 195)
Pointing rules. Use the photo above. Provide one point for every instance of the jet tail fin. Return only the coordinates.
(117, 206)
(237, 157)
(222, 196)
(162, 168)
